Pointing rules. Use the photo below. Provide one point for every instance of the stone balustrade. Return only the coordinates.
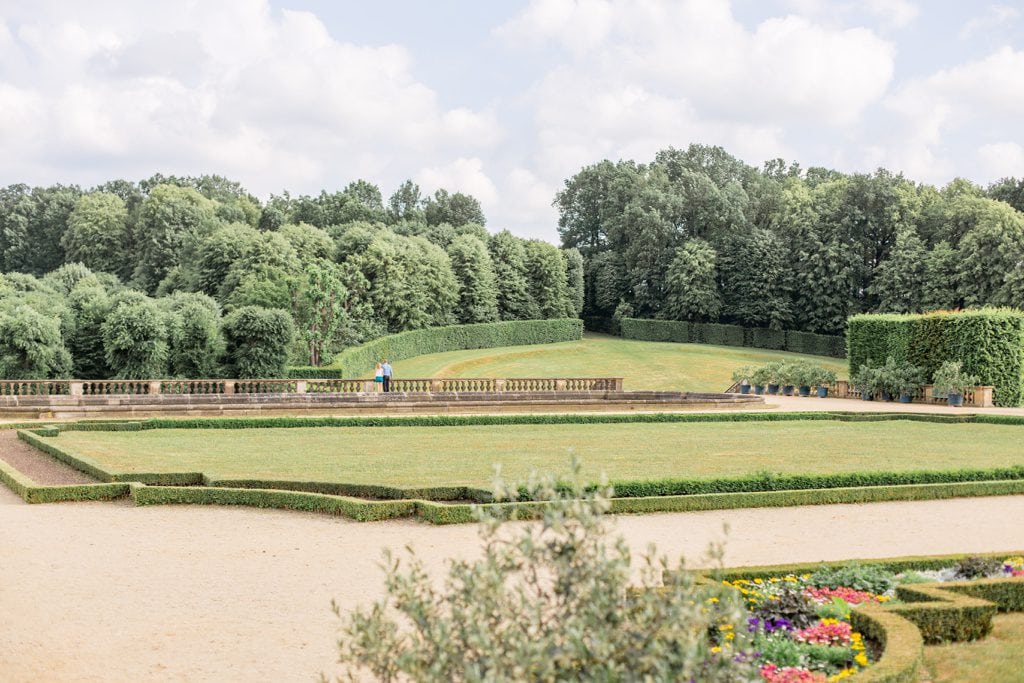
(118, 387)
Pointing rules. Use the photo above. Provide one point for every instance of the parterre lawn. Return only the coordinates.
(645, 365)
(999, 658)
(443, 456)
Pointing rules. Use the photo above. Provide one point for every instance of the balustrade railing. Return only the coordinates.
(220, 387)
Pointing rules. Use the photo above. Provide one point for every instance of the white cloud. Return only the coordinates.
(969, 99)
(461, 175)
(636, 77)
(892, 13)
(1002, 160)
(995, 17)
(117, 89)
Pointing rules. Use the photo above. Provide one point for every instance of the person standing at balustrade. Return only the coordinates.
(385, 368)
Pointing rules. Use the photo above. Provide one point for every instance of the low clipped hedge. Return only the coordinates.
(989, 343)
(682, 331)
(313, 372)
(359, 360)
(358, 510)
(901, 642)
(31, 492)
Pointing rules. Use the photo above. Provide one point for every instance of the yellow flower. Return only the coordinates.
(712, 600)
(861, 658)
(716, 649)
(730, 636)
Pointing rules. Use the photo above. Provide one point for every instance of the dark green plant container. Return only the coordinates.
(805, 391)
(867, 396)
(758, 389)
(886, 396)
(906, 398)
(773, 388)
(787, 390)
(822, 392)
(744, 388)
(955, 400)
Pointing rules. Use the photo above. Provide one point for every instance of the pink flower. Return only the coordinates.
(773, 673)
(826, 632)
(854, 597)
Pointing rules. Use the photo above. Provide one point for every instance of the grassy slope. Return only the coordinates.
(427, 456)
(995, 659)
(645, 365)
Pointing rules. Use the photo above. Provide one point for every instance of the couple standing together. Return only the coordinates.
(382, 375)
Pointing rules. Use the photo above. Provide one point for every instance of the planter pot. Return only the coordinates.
(758, 389)
(955, 400)
(867, 396)
(744, 388)
(773, 388)
(822, 392)
(905, 398)
(886, 396)
(805, 391)
(787, 390)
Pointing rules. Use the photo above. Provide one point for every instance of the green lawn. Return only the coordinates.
(995, 659)
(645, 365)
(451, 456)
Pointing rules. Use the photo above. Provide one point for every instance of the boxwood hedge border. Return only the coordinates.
(453, 505)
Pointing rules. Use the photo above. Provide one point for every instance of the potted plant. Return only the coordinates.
(951, 381)
(773, 375)
(760, 377)
(866, 381)
(788, 374)
(887, 379)
(822, 378)
(743, 376)
(909, 379)
(803, 376)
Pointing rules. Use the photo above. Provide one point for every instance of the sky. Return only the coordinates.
(502, 99)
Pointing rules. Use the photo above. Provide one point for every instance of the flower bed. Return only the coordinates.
(800, 628)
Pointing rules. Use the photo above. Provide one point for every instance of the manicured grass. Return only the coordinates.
(999, 658)
(645, 365)
(465, 456)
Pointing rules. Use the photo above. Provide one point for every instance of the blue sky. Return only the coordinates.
(502, 99)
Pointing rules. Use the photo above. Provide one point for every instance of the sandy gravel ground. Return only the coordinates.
(110, 592)
(36, 465)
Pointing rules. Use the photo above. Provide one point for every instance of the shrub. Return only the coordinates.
(360, 359)
(860, 577)
(551, 601)
(975, 567)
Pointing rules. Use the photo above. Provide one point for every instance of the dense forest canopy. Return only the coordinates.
(195, 277)
(697, 234)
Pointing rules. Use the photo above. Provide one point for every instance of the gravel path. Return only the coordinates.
(109, 592)
(35, 464)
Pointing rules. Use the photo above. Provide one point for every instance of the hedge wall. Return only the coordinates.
(734, 335)
(359, 360)
(989, 343)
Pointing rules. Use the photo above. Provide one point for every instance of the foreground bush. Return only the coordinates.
(550, 601)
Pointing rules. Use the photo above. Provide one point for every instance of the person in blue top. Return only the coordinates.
(385, 368)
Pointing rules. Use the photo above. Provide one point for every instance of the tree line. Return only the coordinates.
(699, 235)
(195, 277)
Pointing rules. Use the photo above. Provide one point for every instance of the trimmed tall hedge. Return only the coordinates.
(733, 335)
(360, 360)
(989, 343)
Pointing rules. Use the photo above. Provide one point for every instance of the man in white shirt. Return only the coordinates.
(386, 369)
